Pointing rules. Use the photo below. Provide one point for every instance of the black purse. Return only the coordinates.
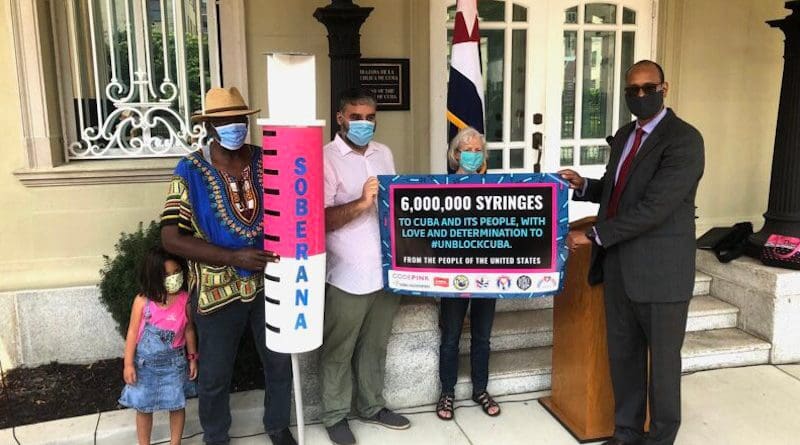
(727, 243)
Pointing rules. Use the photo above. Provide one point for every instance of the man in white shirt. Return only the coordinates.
(358, 312)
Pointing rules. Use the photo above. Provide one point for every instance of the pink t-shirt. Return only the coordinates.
(171, 318)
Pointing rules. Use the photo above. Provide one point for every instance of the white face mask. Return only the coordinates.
(173, 283)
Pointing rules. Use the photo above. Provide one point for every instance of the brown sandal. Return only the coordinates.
(487, 402)
(445, 405)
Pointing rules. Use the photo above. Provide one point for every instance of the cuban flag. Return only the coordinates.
(465, 86)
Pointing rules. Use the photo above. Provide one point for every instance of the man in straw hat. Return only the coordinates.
(212, 217)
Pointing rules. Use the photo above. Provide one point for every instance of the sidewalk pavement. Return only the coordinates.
(749, 405)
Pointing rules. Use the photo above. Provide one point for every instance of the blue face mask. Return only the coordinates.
(232, 136)
(360, 132)
(471, 161)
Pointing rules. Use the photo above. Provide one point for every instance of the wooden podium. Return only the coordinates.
(582, 398)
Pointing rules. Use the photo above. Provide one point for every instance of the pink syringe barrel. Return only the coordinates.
(294, 228)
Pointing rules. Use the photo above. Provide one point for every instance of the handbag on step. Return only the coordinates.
(781, 251)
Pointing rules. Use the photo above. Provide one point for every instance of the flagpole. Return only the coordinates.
(465, 101)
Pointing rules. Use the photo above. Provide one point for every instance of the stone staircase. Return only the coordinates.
(522, 339)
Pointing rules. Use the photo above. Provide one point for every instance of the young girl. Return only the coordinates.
(156, 373)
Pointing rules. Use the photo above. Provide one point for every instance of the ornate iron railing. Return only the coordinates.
(137, 70)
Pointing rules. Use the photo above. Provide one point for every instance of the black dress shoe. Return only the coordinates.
(283, 437)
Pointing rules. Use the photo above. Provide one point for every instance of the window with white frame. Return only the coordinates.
(131, 73)
(599, 44)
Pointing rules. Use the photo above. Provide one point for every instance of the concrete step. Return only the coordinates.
(702, 283)
(412, 366)
(419, 314)
(722, 348)
(510, 372)
(530, 369)
(516, 330)
(531, 329)
(707, 312)
(523, 304)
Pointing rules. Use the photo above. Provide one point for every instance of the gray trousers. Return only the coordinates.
(633, 330)
(355, 334)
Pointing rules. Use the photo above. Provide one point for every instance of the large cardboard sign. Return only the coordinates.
(487, 236)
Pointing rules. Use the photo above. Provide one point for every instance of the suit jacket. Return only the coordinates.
(654, 228)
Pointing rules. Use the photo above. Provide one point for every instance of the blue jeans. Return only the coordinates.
(451, 320)
(219, 333)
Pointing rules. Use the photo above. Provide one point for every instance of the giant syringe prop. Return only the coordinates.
(294, 214)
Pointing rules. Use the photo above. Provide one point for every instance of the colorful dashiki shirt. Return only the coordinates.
(211, 205)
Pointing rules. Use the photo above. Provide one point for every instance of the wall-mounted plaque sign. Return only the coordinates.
(389, 80)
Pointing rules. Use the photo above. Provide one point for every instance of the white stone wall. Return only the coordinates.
(9, 335)
(768, 299)
(67, 325)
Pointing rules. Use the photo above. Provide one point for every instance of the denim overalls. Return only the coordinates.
(162, 381)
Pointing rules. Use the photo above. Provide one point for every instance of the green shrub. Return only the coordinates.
(119, 286)
(118, 278)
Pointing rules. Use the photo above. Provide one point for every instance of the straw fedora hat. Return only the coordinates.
(223, 102)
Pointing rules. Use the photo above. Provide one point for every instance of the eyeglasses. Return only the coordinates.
(648, 88)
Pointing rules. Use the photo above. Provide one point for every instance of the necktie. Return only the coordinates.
(613, 203)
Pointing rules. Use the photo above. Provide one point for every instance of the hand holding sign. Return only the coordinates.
(253, 259)
(370, 192)
(576, 181)
(576, 239)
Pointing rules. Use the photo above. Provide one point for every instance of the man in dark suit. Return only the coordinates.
(644, 253)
